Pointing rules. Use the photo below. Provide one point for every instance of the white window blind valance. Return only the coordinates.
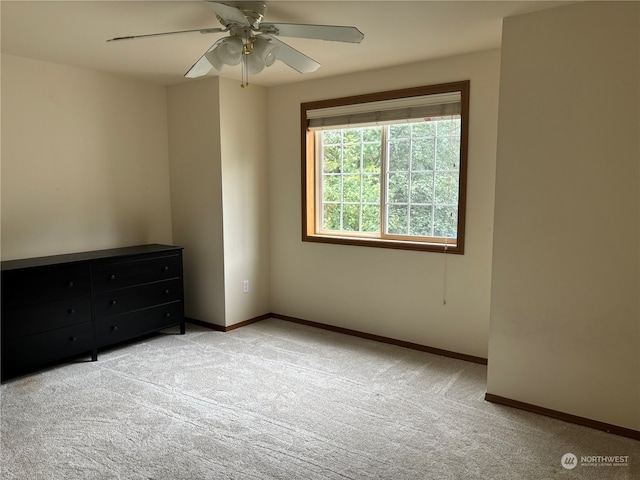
(386, 111)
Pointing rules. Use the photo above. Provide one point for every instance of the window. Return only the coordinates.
(387, 169)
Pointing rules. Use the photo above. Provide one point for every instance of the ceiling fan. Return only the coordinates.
(254, 43)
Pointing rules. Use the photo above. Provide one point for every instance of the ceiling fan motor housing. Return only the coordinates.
(254, 12)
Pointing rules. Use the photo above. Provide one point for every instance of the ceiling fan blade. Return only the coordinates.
(201, 30)
(292, 57)
(203, 65)
(199, 69)
(333, 33)
(228, 14)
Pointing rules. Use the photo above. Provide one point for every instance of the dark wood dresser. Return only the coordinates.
(66, 305)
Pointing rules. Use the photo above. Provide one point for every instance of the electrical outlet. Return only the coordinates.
(245, 286)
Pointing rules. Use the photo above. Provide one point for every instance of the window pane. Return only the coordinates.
(402, 130)
(446, 188)
(332, 137)
(371, 218)
(371, 157)
(332, 159)
(398, 188)
(351, 218)
(423, 154)
(351, 158)
(448, 153)
(331, 217)
(352, 135)
(397, 220)
(421, 221)
(331, 188)
(449, 127)
(399, 155)
(351, 188)
(372, 134)
(446, 222)
(422, 188)
(351, 182)
(371, 188)
(423, 129)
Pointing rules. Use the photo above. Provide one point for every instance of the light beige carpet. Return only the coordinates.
(277, 400)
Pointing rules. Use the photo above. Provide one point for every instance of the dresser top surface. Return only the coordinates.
(7, 265)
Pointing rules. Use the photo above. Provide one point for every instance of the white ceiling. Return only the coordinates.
(396, 32)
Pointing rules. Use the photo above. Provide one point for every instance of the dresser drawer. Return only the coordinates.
(27, 352)
(125, 274)
(42, 317)
(44, 284)
(124, 327)
(116, 302)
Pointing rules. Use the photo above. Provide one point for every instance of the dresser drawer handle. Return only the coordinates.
(167, 314)
(112, 277)
(113, 302)
(69, 284)
(114, 328)
(165, 268)
(73, 339)
(167, 291)
(71, 311)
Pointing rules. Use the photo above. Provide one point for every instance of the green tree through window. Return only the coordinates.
(417, 162)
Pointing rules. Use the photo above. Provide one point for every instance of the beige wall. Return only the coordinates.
(398, 294)
(84, 160)
(219, 192)
(243, 113)
(196, 195)
(565, 324)
(85, 165)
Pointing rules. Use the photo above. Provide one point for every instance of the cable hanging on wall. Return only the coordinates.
(444, 279)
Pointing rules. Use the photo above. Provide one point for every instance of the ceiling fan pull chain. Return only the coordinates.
(245, 79)
(245, 61)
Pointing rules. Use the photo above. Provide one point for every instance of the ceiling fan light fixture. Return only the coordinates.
(258, 53)
(230, 51)
(266, 50)
(255, 64)
(214, 59)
